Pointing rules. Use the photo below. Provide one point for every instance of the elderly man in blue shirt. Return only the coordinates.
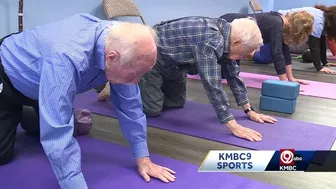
(47, 66)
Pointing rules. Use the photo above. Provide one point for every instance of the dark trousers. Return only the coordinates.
(15, 108)
(163, 88)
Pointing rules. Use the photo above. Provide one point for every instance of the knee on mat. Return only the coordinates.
(6, 158)
(307, 57)
(152, 113)
(30, 121)
(180, 105)
(30, 130)
(175, 104)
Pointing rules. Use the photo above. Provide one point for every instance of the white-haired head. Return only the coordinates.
(245, 37)
(130, 50)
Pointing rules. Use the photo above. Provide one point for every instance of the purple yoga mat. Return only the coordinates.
(200, 120)
(106, 165)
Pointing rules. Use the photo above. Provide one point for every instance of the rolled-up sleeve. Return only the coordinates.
(128, 106)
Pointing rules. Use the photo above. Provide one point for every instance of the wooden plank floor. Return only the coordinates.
(193, 150)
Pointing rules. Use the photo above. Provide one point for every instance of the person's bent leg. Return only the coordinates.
(10, 116)
(30, 121)
(307, 56)
(175, 91)
(151, 93)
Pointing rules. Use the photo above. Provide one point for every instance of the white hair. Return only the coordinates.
(124, 38)
(247, 30)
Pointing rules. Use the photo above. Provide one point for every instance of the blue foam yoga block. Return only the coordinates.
(277, 104)
(280, 89)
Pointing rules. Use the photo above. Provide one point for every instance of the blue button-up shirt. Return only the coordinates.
(54, 62)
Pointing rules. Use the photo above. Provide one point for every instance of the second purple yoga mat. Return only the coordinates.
(110, 166)
(200, 120)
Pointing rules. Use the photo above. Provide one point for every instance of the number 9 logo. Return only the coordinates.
(287, 157)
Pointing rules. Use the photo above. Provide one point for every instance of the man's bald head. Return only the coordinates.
(130, 51)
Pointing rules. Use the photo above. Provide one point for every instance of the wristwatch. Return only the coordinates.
(249, 109)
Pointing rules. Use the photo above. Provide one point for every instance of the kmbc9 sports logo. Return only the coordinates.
(288, 160)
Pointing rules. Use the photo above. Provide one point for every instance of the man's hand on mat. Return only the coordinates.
(243, 132)
(148, 169)
(261, 118)
(327, 70)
